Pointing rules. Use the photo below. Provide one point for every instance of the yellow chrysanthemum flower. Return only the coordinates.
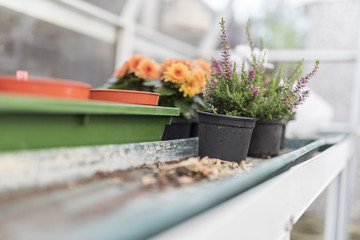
(190, 87)
(147, 69)
(200, 76)
(176, 73)
(134, 61)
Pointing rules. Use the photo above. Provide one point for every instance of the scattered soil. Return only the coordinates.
(190, 170)
(158, 175)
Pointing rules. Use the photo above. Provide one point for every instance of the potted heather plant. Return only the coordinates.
(226, 129)
(278, 98)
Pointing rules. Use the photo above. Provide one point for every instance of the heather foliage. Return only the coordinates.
(281, 95)
(228, 93)
(252, 93)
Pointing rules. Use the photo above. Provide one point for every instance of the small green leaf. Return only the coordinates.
(149, 82)
(185, 108)
(165, 91)
(120, 86)
(134, 79)
(199, 101)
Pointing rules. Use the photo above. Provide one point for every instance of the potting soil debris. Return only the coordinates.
(191, 170)
(148, 176)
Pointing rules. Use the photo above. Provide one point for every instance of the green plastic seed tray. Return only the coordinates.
(34, 123)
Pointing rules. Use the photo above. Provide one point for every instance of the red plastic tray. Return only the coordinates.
(45, 87)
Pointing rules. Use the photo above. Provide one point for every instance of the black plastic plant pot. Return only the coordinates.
(180, 128)
(283, 131)
(224, 137)
(266, 138)
(195, 128)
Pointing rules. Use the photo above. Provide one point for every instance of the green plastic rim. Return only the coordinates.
(17, 103)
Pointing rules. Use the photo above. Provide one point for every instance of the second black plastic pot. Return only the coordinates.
(266, 138)
(224, 137)
(181, 128)
(283, 132)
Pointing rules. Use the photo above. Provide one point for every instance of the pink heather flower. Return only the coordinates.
(255, 90)
(217, 69)
(225, 53)
(298, 95)
(251, 75)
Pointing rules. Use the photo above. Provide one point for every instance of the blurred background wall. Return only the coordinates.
(47, 50)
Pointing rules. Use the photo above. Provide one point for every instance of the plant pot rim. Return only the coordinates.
(227, 116)
(124, 91)
(279, 121)
(125, 96)
(181, 119)
(222, 119)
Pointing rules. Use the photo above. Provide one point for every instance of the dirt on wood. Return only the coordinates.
(158, 175)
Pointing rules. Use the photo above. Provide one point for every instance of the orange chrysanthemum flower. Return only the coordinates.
(121, 72)
(186, 62)
(190, 87)
(147, 69)
(205, 65)
(134, 61)
(200, 76)
(176, 73)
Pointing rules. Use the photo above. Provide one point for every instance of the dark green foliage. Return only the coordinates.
(132, 82)
(171, 97)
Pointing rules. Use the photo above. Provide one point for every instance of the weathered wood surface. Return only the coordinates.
(29, 169)
(109, 209)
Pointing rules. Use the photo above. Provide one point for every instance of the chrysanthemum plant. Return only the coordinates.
(182, 85)
(178, 81)
(249, 94)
